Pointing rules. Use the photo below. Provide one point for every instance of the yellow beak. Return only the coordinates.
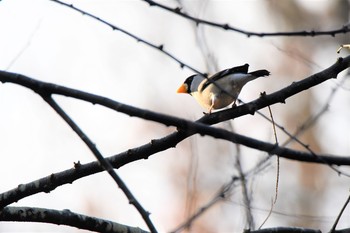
(182, 89)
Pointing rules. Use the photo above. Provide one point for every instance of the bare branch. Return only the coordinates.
(188, 128)
(284, 230)
(220, 195)
(138, 39)
(225, 26)
(105, 164)
(339, 215)
(313, 119)
(64, 217)
(292, 230)
(245, 193)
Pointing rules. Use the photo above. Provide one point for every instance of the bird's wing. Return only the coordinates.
(238, 69)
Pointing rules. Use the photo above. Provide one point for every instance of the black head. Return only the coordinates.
(188, 83)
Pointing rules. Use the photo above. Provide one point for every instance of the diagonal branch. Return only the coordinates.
(279, 96)
(340, 214)
(105, 164)
(137, 38)
(225, 26)
(64, 217)
(49, 183)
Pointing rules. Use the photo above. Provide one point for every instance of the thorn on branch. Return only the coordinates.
(340, 60)
(77, 165)
(151, 3)
(132, 201)
(222, 195)
(226, 26)
(52, 177)
(129, 152)
(177, 10)
(251, 109)
(20, 187)
(160, 47)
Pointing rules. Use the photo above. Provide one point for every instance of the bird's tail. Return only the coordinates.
(260, 73)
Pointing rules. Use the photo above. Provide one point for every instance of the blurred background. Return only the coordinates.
(52, 43)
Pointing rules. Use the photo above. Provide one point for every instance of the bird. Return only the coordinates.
(221, 89)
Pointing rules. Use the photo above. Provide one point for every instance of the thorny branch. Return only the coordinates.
(340, 214)
(225, 26)
(138, 39)
(105, 164)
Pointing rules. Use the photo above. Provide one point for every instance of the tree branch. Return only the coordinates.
(284, 230)
(187, 128)
(105, 164)
(64, 217)
(137, 38)
(292, 230)
(339, 215)
(225, 26)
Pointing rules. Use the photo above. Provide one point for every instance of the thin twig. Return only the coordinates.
(285, 230)
(103, 162)
(246, 198)
(225, 26)
(221, 194)
(313, 119)
(25, 46)
(340, 214)
(137, 38)
(268, 215)
(273, 202)
(278, 158)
